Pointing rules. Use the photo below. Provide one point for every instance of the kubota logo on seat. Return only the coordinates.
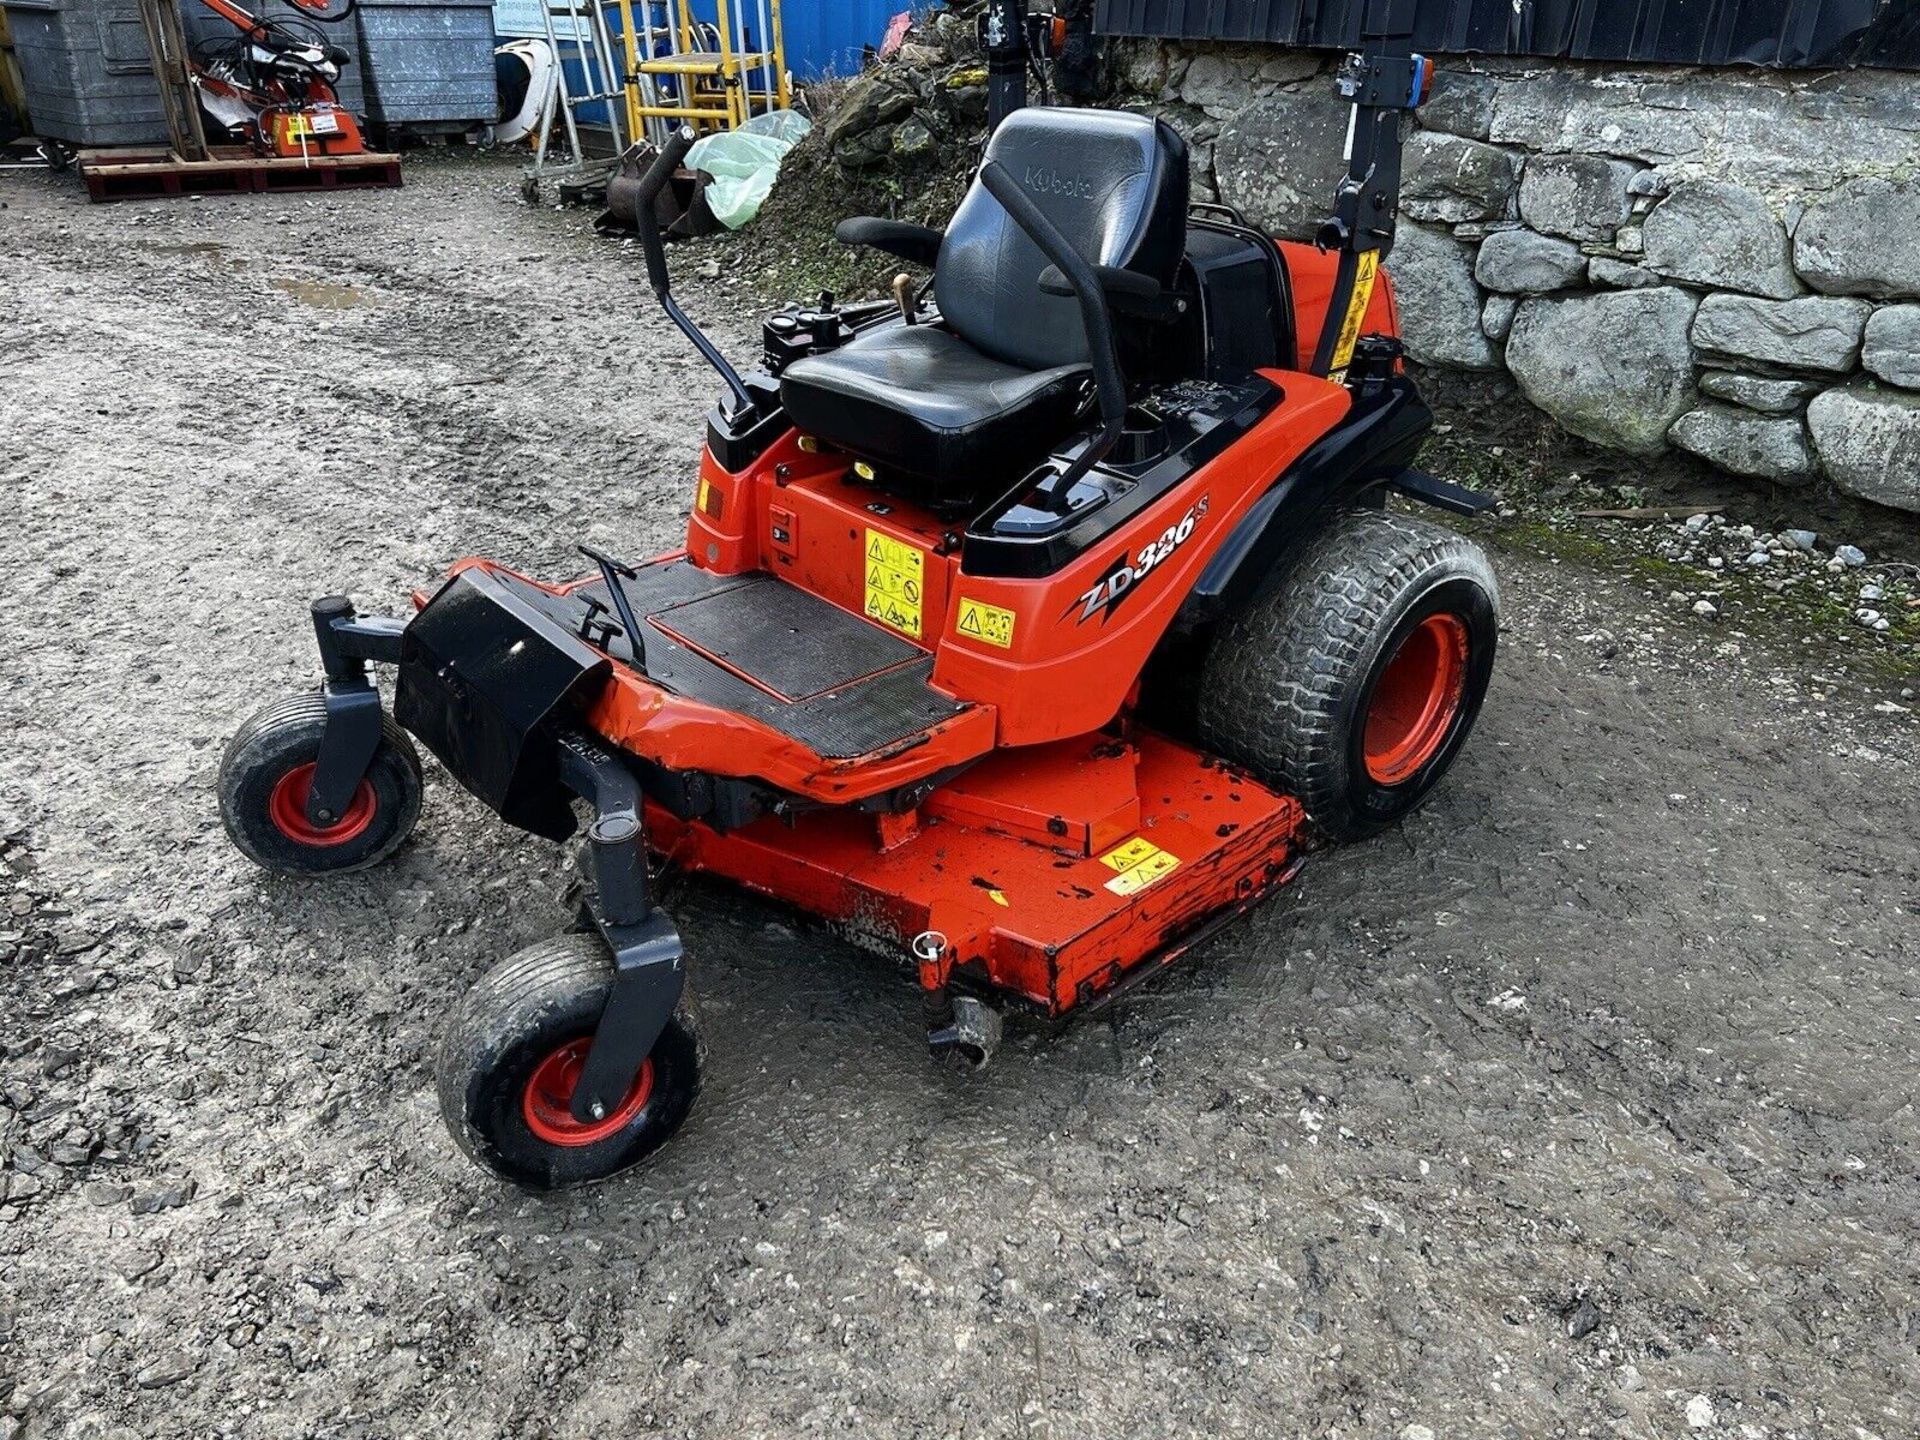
(1045, 180)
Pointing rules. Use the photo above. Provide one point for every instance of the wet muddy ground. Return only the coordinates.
(1581, 1104)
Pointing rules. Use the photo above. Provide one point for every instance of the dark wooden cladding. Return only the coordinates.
(1781, 34)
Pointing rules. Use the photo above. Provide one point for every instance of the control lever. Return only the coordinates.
(904, 297)
(655, 245)
(613, 571)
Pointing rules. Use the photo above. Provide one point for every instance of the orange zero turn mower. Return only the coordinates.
(1029, 625)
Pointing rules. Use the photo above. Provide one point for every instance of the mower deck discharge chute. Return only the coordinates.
(1026, 626)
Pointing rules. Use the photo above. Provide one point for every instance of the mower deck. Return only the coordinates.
(1052, 872)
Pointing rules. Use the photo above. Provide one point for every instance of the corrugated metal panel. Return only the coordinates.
(826, 39)
(1787, 34)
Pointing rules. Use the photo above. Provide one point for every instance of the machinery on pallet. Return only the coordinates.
(272, 82)
(271, 85)
(1028, 627)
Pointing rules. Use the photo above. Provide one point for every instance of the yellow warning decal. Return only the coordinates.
(981, 621)
(1363, 276)
(1140, 863)
(895, 582)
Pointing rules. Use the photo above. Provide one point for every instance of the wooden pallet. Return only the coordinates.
(153, 173)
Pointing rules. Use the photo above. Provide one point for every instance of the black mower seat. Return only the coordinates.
(966, 407)
(921, 400)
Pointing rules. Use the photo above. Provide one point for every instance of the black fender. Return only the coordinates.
(1371, 448)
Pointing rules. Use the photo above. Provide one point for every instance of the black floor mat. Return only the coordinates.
(786, 639)
(855, 686)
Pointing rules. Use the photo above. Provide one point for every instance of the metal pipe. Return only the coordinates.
(649, 89)
(564, 94)
(766, 56)
(780, 57)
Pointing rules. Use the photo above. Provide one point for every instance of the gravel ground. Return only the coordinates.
(1581, 1104)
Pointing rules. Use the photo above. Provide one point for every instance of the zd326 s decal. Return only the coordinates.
(1125, 577)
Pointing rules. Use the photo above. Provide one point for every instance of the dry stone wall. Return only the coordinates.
(1721, 262)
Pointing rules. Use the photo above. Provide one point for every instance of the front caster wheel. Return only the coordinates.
(514, 1052)
(268, 770)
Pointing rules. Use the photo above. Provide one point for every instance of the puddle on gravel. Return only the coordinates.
(325, 294)
(213, 249)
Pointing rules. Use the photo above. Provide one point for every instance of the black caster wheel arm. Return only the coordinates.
(650, 969)
(347, 642)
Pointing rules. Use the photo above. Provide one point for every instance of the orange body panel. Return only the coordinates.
(687, 734)
(801, 517)
(1090, 662)
(314, 129)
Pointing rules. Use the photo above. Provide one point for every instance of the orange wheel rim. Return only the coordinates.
(1416, 699)
(547, 1102)
(287, 808)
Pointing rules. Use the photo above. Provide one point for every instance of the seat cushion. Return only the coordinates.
(914, 400)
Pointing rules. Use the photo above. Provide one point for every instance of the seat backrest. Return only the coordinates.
(1115, 184)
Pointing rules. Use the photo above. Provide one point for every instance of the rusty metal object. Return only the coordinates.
(681, 207)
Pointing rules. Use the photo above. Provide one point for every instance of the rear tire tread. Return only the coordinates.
(1273, 685)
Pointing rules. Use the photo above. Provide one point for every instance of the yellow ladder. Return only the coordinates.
(713, 88)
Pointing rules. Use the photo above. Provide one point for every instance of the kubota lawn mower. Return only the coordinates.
(272, 81)
(1027, 627)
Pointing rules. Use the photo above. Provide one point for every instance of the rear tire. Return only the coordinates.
(510, 1059)
(1353, 682)
(266, 773)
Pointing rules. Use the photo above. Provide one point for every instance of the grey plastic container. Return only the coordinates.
(202, 25)
(88, 77)
(429, 62)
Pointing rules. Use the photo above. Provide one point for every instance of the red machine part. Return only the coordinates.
(312, 128)
(1416, 699)
(1311, 272)
(291, 120)
(1088, 657)
(1037, 660)
(545, 1103)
